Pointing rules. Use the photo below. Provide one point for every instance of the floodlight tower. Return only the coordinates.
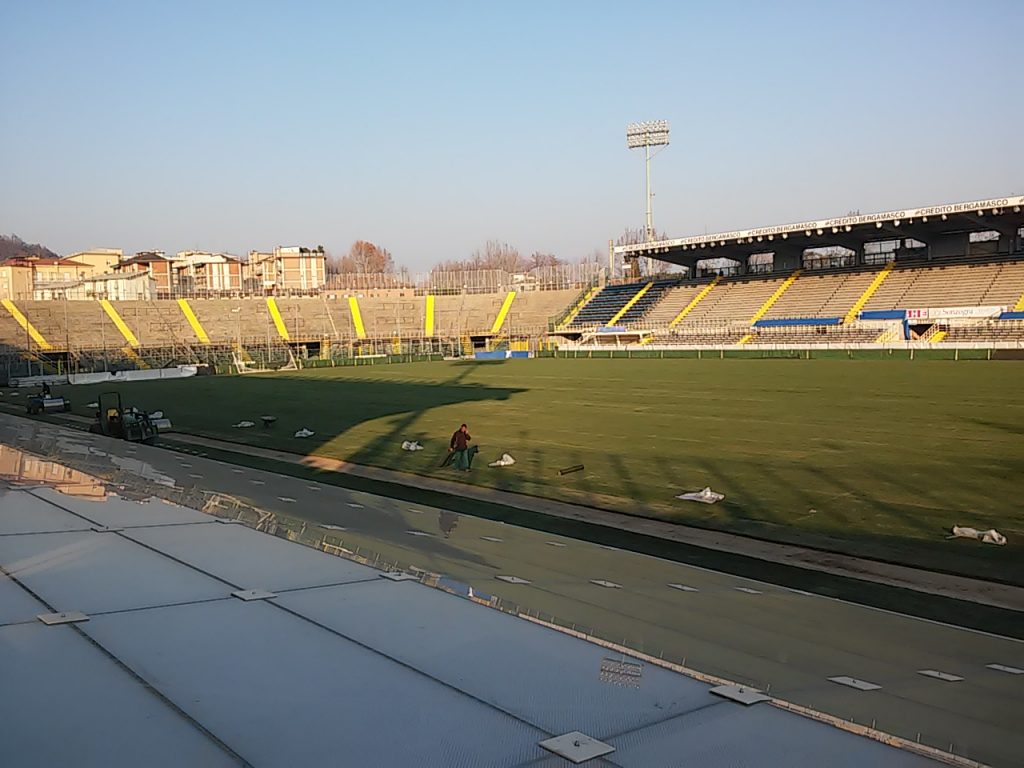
(653, 133)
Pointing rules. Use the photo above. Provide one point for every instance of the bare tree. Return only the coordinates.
(494, 255)
(333, 262)
(633, 236)
(498, 255)
(365, 258)
(538, 259)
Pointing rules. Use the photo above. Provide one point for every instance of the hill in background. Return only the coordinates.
(12, 246)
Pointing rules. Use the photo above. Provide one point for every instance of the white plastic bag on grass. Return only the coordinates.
(706, 496)
(991, 536)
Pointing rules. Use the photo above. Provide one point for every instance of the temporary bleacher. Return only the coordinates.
(388, 316)
(471, 313)
(313, 318)
(718, 311)
(531, 311)
(155, 323)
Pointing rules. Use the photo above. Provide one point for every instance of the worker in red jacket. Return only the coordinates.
(459, 446)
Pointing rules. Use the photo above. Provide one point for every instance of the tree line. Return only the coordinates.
(365, 258)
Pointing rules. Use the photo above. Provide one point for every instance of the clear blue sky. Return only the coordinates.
(430, 130)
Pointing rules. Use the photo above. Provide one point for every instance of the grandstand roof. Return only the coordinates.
(1004, 214)
(41, 261)
(214, 644)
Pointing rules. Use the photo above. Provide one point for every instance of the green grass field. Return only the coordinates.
(875, 458)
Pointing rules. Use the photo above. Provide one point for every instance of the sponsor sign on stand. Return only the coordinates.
(953, 313)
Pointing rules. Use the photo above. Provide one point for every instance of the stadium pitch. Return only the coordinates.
(872, 458)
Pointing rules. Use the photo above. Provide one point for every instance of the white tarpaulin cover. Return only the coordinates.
(707, 496)
(991, 536)
(504, 461)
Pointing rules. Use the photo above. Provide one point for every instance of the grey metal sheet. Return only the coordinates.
(729, 734)
(250, 559)
(21, 512)
(284, 692)
(93, 572)
(65, 702)
(16, 604)
(543, 676)
(119, 512)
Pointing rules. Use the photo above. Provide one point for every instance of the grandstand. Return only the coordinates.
(946, 274)
(942, 271)
(726, 310)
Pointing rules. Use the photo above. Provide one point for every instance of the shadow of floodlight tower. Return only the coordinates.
(653, 133)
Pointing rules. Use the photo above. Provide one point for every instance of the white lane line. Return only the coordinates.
(940, 675)
(186, 465)
(684, 588)
(513, 579)
(748, 590)
(554, 543)
(1004, 668)
(354, 505)
(238, 471)
(287, 499)
(312, 488)
(257, 482)
(852, 682)
(606, 584)
(333, 527)
(491, 538)
(416, 511)
(197, 477)
(418, 533)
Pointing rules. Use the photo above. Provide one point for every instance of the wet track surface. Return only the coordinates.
(780, 640)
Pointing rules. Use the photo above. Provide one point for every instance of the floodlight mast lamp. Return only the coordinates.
(653, 133)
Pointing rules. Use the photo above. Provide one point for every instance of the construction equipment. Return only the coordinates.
(128, 424)
(46, 404)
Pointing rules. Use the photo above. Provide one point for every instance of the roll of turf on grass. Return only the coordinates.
(570, 470)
